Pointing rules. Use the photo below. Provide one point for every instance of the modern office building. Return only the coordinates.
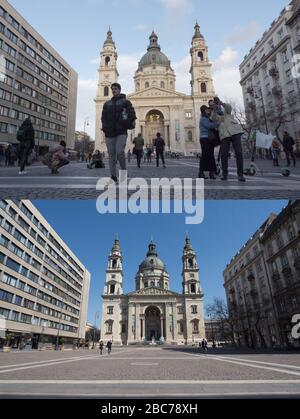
(44, 287)
(35, 81)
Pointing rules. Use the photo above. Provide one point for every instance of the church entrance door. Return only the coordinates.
(154, 124)
(153, 324)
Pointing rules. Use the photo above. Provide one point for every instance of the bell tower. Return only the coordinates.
(114, 272)
(191, 281)
(108, 74)
(193, 296)
(201, 78)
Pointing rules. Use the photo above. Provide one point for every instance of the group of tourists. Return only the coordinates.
(141, 152)
(108, 347)
(218, 128)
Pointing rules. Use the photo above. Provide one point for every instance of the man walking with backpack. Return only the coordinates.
(118, 117)
(25, 136)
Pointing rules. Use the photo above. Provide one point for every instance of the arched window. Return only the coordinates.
(162, 84)
(147, 85)
(200, 56)
(114, 264)
(152, 284)
(107, 61)
(112, 289)
(109, 327)
(106, 91)
(138, 86)
(203, 88)
(190, 136)
(191, 263)
(171, 84)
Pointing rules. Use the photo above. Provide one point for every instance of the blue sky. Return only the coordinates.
(77, 30)
(227, 226)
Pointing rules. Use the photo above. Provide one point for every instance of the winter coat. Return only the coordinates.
(27, 139)
(205, 125)
(159, 144)
(139, 143)
(228, 124)
(288, 143)
(112, 120)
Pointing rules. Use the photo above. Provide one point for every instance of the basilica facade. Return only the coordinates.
(159, 107)
(152, 313)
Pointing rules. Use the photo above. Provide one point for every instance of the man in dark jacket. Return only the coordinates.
(118, 117)
(160, 144)
(288, 146)
(25, 136)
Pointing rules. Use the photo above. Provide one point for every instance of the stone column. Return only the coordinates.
(162, 327)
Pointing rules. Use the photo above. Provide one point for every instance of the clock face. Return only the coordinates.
(106, 77)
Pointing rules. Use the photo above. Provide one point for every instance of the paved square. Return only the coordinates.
(77, 182)
(145, 372)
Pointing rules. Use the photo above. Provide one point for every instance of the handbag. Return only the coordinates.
(214, 137)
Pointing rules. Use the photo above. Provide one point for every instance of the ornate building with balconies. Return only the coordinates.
(262, 282)
(282, 245)
(271, 87)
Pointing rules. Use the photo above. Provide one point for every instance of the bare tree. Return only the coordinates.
(218, 310)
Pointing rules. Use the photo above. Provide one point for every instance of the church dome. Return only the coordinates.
(152, 260)
(154, 56)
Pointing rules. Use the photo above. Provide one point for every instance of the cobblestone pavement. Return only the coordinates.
(149, 372)
(77, 182)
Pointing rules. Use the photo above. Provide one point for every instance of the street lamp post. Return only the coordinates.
(86, 124)
(95, 327)
(212, 332)
(57, 337)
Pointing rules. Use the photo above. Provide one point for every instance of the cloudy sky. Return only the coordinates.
(77, 30)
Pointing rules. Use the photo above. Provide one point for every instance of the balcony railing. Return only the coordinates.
(273, 72)
(276, 276)
(287, 271)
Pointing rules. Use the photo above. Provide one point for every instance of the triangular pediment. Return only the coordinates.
(153, 291)
(155, 92)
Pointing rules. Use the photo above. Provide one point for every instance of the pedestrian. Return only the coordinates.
(2, 156)
(101, 345)
(230, 132)
(139, 143)
(109, 347)
(288, 147)
(97, 161)
(129, 155)
(8, 156)
(204, 345)
(160, 144)
(276, 150)
(118, 117)
(25, 136)
(207, 161)
(56, 158)
(149, 154)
